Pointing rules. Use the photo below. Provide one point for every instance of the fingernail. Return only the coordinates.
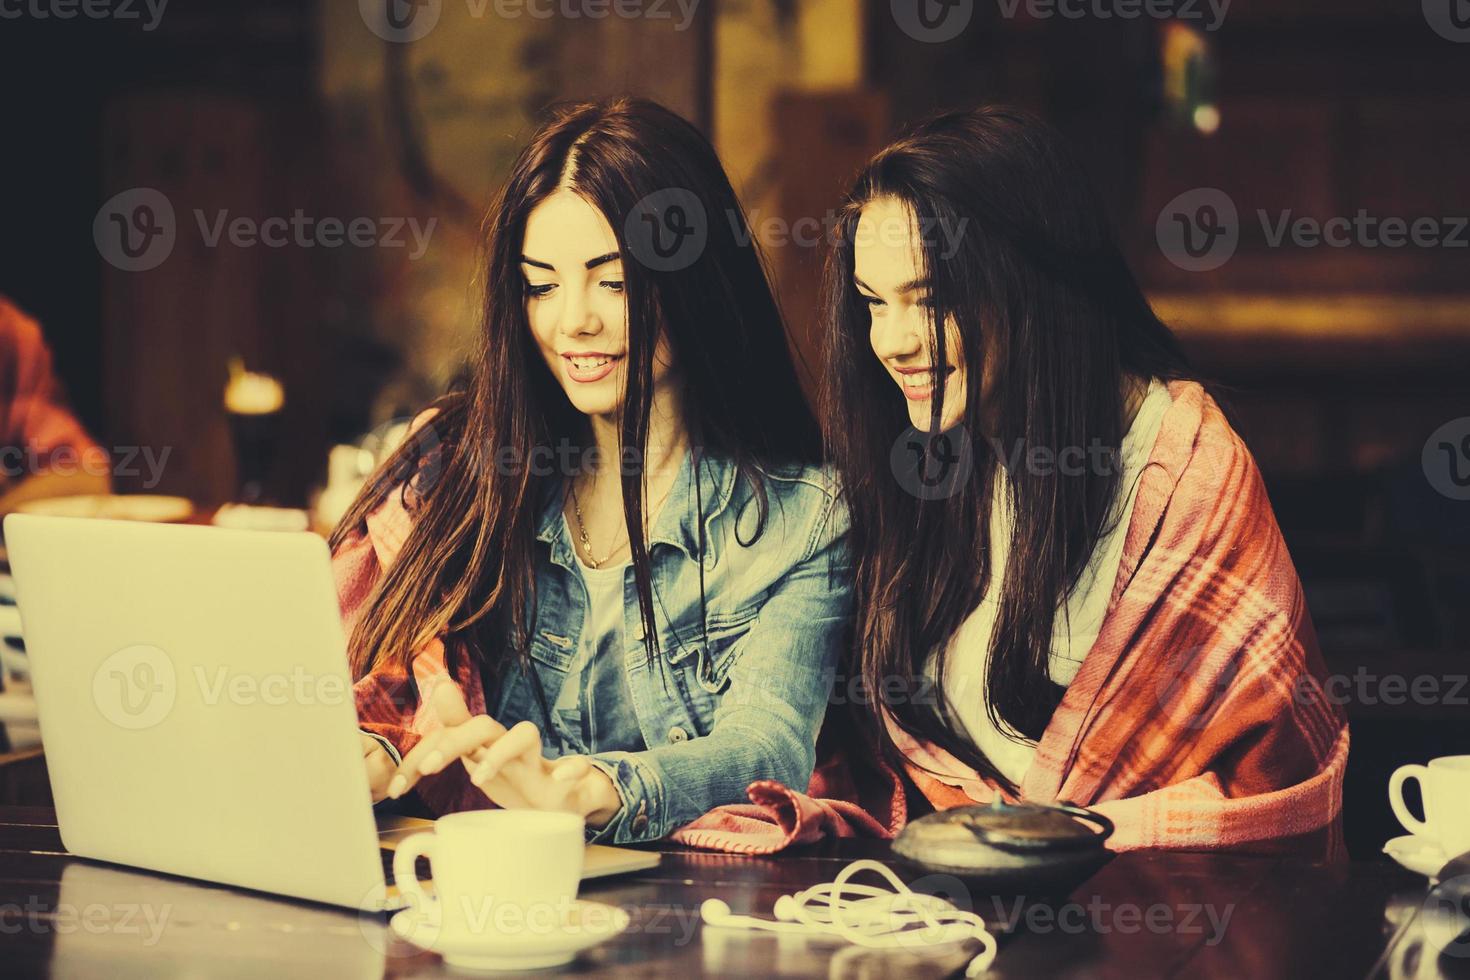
(432, 763)
(396, 786)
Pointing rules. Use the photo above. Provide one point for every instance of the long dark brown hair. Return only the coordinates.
(466, 570)
(1017, 250)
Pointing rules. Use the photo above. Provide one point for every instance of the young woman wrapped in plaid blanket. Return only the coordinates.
(1069, 582)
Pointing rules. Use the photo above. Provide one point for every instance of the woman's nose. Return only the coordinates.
(577, 316)
(897, 336)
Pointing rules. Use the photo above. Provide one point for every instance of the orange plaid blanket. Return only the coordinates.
(1198, 719)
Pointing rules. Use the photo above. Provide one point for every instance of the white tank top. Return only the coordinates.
(1078, 620)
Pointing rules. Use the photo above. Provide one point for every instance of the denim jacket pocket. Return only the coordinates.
(705, 666)
(553, 649)
(551, 656)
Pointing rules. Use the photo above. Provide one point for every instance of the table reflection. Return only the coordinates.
(112, 922)
(1431, 942)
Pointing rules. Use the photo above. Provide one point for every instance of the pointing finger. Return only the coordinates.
(524, 739)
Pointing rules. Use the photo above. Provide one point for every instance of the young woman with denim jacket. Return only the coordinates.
(618, 542)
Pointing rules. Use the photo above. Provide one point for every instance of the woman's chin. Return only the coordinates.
(592, 402)
(920, 418)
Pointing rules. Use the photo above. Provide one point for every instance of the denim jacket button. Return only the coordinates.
(677, 734)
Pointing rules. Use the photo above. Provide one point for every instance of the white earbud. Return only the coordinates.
(714, 912)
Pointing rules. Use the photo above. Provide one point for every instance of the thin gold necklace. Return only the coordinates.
(582, 526)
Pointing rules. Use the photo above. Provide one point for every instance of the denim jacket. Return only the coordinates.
(734, 696)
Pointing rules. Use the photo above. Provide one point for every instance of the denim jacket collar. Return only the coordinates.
(676, 522)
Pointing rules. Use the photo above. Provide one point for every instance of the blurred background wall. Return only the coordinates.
(1339, 360)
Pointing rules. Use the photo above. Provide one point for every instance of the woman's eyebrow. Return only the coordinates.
(906, 287)
(591, 263)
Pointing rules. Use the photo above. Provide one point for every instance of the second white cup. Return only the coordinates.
(1445, 787)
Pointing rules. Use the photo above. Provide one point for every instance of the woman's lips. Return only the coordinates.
(587, 368)
(918, 386)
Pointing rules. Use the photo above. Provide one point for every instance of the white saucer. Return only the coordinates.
(1417, 854)
(587, 924)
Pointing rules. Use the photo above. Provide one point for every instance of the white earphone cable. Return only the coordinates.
(865, 915)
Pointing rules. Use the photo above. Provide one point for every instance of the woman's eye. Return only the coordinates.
(872, 302)
(615, 285)
(539, 289)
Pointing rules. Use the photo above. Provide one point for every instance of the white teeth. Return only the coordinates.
(589, 363)
(923, 379)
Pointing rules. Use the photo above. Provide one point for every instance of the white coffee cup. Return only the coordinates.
(495, 871)
(1445, 786)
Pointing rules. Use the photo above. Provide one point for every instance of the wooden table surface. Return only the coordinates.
(1142, 915)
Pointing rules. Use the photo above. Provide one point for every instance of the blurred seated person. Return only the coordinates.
(44, 451)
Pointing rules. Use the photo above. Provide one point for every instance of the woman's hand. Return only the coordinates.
(379, 766)
(506, 764)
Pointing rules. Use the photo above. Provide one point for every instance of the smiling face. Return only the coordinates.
(888, 272)
(575, 303)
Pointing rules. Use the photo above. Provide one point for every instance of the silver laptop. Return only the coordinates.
(196, 708)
